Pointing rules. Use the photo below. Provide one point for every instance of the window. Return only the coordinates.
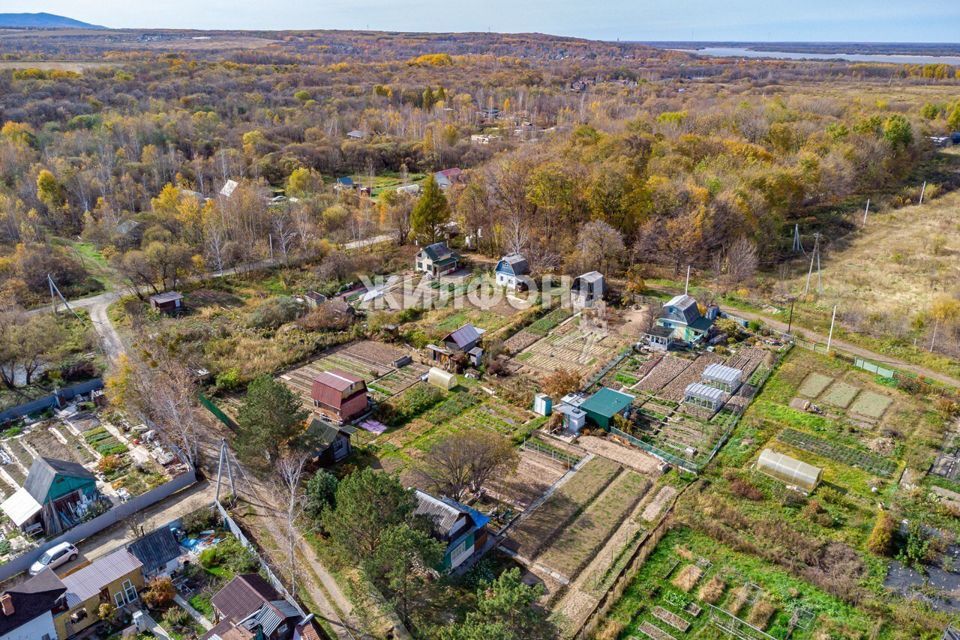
(118, 599)
(129, 590)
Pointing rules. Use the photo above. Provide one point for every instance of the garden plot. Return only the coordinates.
(840, 394)
(870, 405)
(748, 360)
(372, 361)
(535, 473)
(845, 455)
(570, 552)
(662, 374)
(569, 348)
(814, 384)
(539, 528)
(520, 341)
(674, 389)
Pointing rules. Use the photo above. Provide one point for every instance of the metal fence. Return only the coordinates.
(873, 367)
(677, 461)
(217, 412)
(53, 400)
(115, 515)
(235, 529)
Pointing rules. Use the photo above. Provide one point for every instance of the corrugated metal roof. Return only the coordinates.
(443, 514)
(155, 549)
(517, 263)
(44, 471)
(20, 507)
(722, 373)
(88, 581)
(243, 596)
(437, 251)
(168, 296)
(337, 379)
(464, 337)
(607, 402)
(698, 390)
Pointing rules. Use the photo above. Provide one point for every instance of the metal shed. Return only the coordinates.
(705, 396)
(722, 377)
(790, 470)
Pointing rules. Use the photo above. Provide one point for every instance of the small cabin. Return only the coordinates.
(512, 272)
(339, 396)
(170, 302)
(436, 260)
(588, 290)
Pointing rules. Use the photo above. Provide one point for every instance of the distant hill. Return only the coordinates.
(41, 21)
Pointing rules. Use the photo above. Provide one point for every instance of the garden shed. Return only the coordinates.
(790, 470)
(722, 377)
(704, 396)
(440, 378)
(604, 404)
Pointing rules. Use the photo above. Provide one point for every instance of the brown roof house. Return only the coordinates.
(464, 341)
(339, 396)
(28, 608)
(170, 302)
(249, 607)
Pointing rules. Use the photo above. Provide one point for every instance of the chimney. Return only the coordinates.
(6, 601)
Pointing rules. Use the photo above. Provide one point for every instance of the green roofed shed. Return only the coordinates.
(604, 404)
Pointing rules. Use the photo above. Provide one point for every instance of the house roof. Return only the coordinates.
(20, 507)
(337, 379)
(323, 433)
(88, 581)
(346, 181)
(228, 188)
(44, 471)
(451, 173)
(127, 226)
(270, 616)
(591, 276)
(167, 296)
(31, 599)
(517, 263)
(437, 251)
(244, 595)
(607, 402)
(155, 549)
(464, 337)
(443, 512)
(227, 630)
(683, 307)
(704, 392)
(722, 373)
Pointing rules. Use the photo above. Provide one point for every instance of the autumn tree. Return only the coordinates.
(466, 461)
(430, 212)
(741, 262)
(561, 382)
(396, 213)
(402, 566)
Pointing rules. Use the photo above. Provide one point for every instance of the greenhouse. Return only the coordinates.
(723, 377)
(789, 470)
(440, 378)
(704, 396)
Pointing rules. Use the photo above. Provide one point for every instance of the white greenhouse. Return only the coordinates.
(440, 378)
(789, 470)
(701, 395)
(723, 377)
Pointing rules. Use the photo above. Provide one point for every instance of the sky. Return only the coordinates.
(724, 20)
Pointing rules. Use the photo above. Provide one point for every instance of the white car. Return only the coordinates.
(54, 557)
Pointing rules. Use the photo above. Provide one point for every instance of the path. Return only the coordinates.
(843, 345)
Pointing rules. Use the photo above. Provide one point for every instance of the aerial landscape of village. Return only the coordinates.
(328, 333)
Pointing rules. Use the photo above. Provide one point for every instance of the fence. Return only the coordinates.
(567, 459)
(53, 400)
(274, 580)
(607, 368)
(872, 367)
(676, 461)
(217, 412)
(117, 514)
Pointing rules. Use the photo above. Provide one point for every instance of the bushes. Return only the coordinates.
(159, 593)
(231, 556)
(274, 312)
(409, 405)
(745, 489)
(880, 541)
(202, 519)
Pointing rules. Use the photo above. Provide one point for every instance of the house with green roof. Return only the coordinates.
(602, 406)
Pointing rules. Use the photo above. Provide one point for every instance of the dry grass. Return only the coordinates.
(738, 598)
(899, 263)
(761, 613)
(712, 590)
(687, 578)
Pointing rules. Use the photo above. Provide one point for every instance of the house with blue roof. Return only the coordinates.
(460, 527)
(512, 272)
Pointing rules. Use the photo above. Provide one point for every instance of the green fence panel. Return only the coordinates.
(217, 411)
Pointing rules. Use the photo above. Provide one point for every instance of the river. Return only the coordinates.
(743, 52)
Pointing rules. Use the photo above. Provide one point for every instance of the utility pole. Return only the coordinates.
(797, 243)
(815, 256)
(790, 321)
(225, 459)
(923, 190)
(866, 210)
(686, 287)
(832, 321)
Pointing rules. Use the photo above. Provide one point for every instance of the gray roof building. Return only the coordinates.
(156, 550)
